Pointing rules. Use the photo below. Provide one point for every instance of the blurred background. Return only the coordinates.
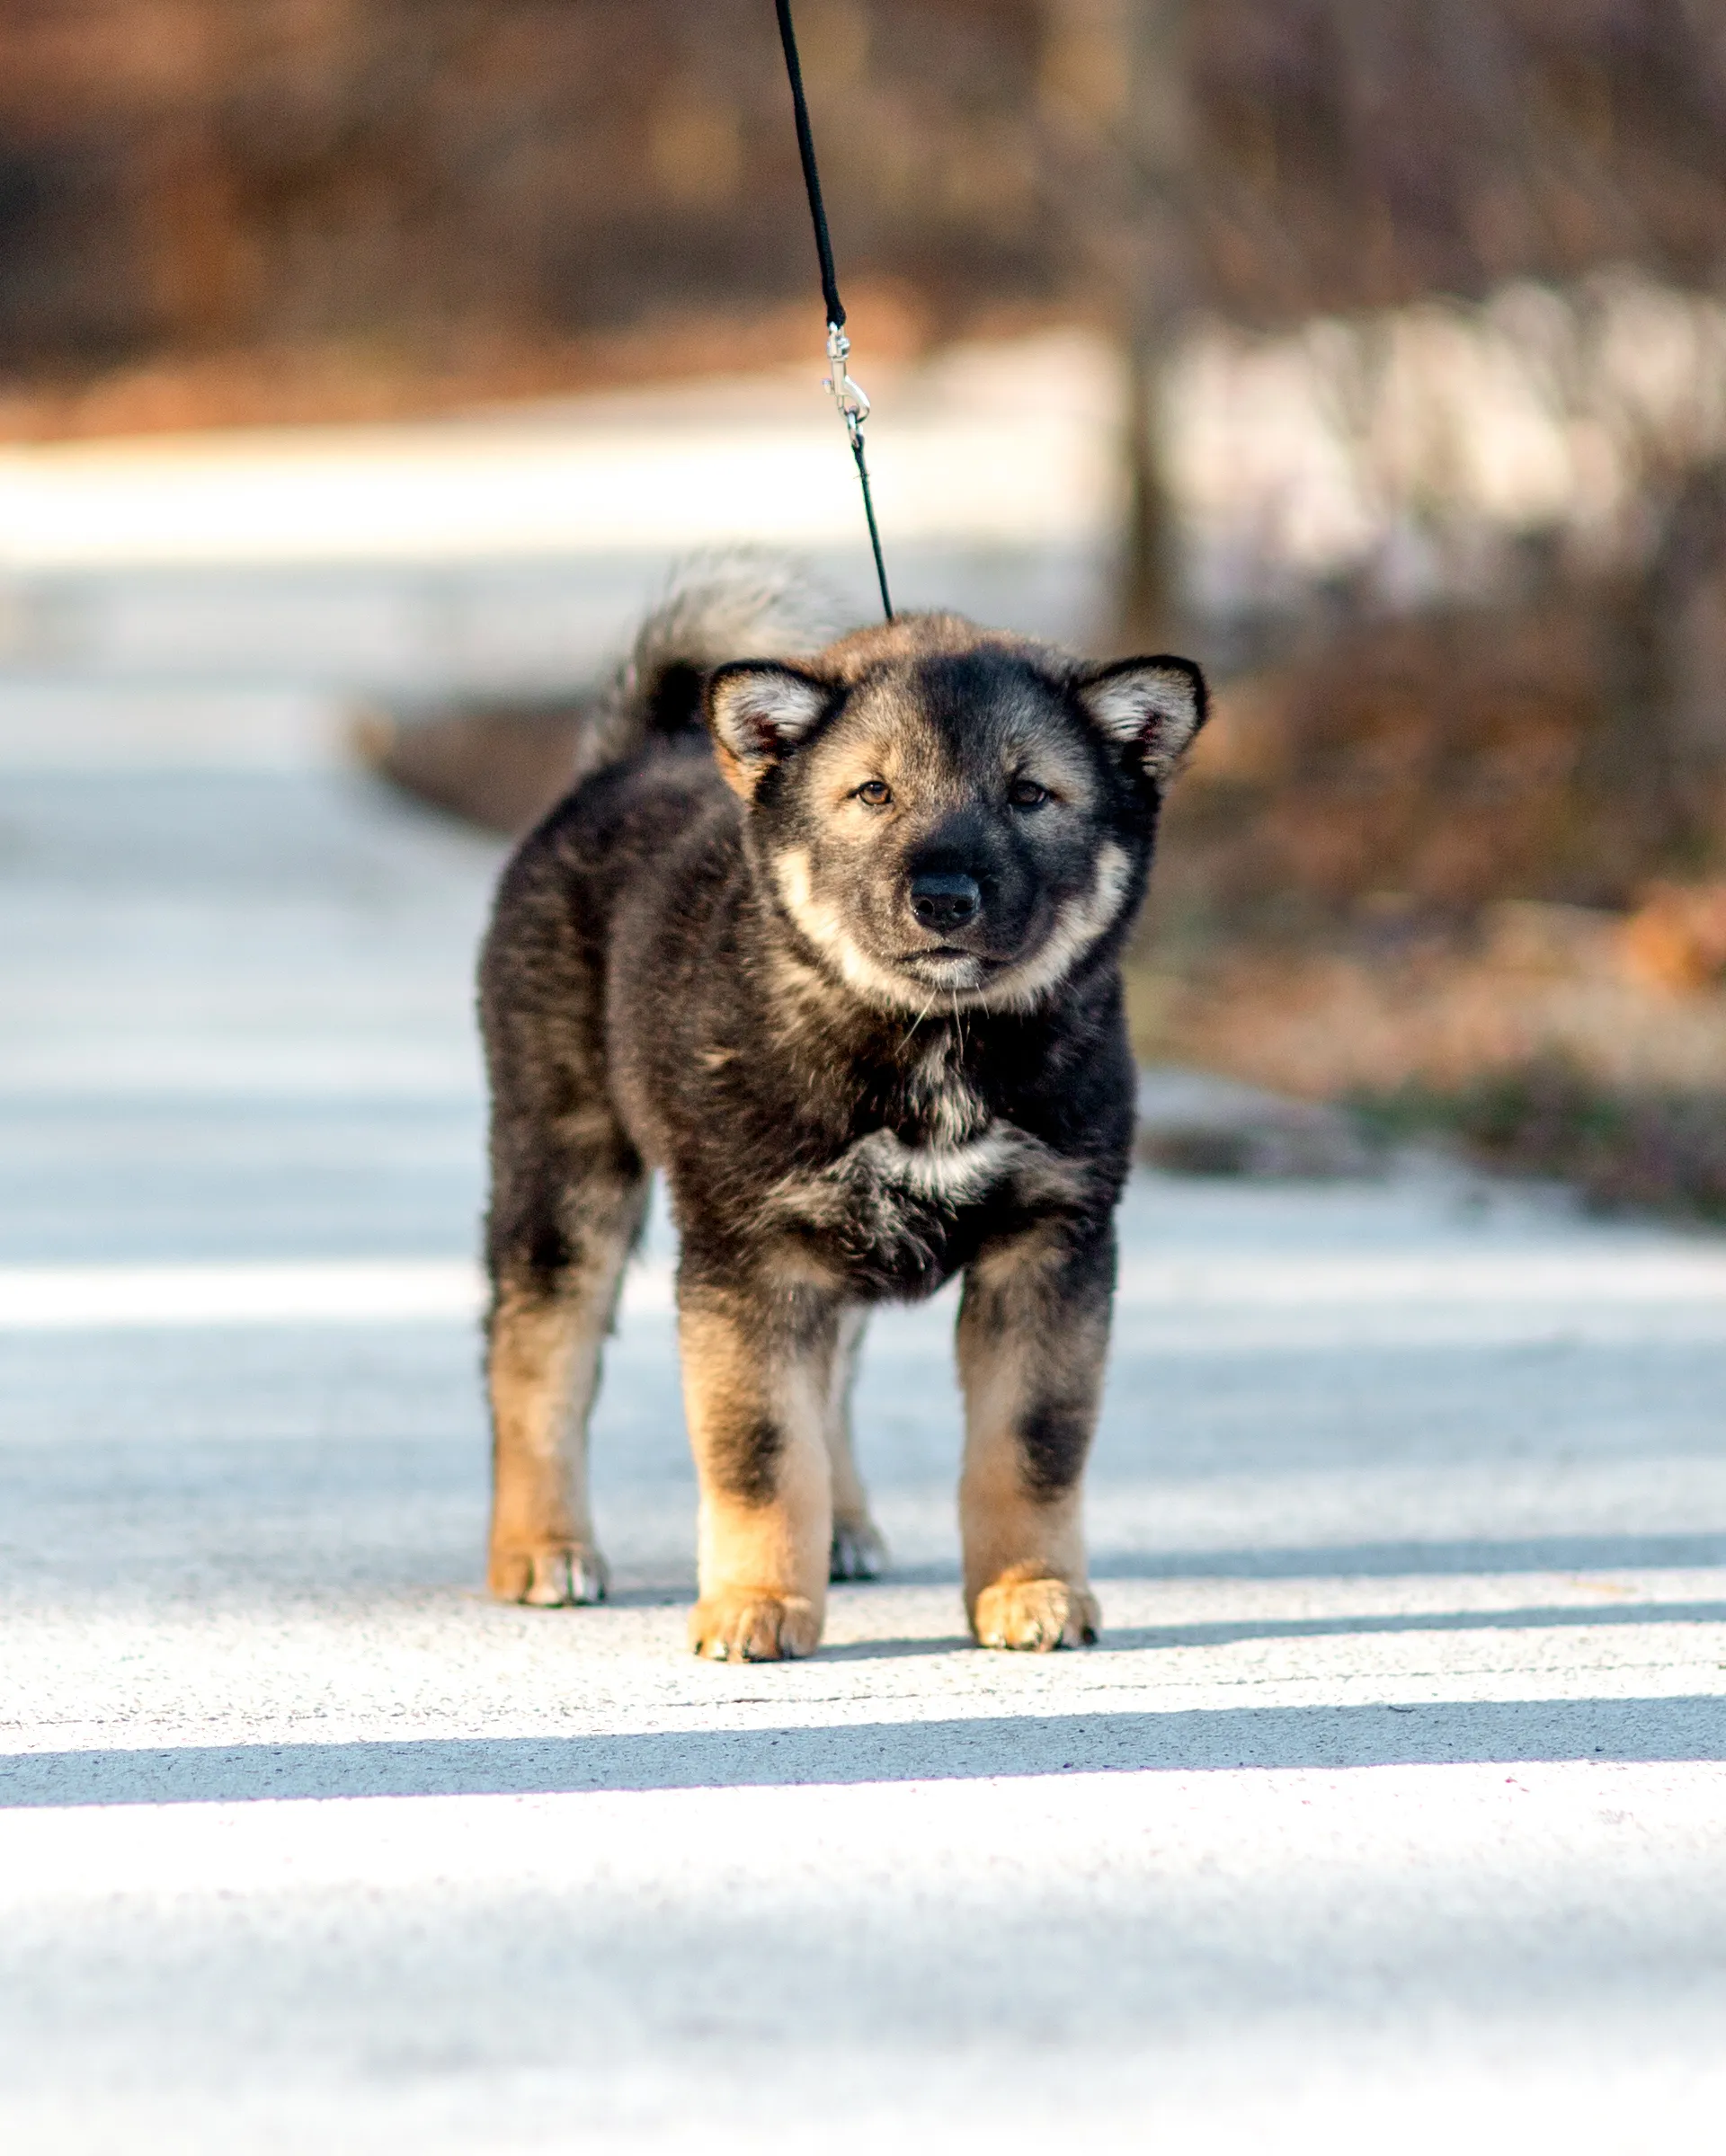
(364, 364)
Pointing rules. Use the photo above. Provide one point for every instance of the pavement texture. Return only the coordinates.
(1391, 1807)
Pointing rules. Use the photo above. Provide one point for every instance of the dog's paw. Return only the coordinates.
(1036, 1616)
(550, 1577)
(859, 1553)
(747, 1624)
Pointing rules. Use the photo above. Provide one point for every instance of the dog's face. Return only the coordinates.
(950, 816)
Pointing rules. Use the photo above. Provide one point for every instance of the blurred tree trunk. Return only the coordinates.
(1118, 72)
(1148, 588)
(1157, 141)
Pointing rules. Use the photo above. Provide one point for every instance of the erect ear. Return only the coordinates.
(1151, 707)
(757, 711)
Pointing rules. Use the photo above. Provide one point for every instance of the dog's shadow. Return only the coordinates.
(894, 1650)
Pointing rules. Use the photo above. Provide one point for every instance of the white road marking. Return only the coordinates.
(432, 493)
(195, 1066)
(339, 1291)
(1296, 1279)
(599, 1839)
(1472, 1291)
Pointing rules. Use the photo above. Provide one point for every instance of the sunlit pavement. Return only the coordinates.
(1390, 1807)
(510, 551)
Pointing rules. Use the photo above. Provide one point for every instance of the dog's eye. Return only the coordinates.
(875, 793)
(1026, 793)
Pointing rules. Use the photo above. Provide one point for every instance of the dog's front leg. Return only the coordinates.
(1032, 1338)
(757, 1375)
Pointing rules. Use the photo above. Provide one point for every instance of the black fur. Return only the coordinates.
(848, 1106)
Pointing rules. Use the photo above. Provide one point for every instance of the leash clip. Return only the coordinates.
(849, 396)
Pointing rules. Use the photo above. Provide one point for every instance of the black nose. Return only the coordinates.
(945, 902)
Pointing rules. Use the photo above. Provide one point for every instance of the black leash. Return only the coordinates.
(853, 405)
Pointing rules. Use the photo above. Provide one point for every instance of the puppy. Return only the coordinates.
(831, 939)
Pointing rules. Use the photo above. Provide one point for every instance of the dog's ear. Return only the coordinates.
(1152, 707)
(757, 712)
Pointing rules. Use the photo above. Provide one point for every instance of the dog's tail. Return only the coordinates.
(740, 604)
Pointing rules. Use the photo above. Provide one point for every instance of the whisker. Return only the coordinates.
(922, 1014)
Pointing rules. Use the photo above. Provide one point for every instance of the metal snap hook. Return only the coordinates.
(850, 397)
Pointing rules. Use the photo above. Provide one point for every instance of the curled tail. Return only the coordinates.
(739, 604)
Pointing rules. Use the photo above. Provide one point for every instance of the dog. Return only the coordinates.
(829, 935)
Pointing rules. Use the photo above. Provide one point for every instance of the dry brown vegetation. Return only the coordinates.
(1469, 871)
(290, 208)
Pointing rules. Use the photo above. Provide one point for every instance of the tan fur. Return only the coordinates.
(543, 1367)
(742, 782)
(877, 744)
(762, 1552)
(1035, 1615)
(1022, 1348)
(869, 1027)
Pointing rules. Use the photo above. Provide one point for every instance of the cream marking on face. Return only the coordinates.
(1078, 923)
(823, 928)
(957, 975)
(963, 980)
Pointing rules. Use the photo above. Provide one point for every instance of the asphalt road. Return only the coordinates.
(1390, 1808)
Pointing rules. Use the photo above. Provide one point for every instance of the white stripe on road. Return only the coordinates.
(1540, 1284)
(629, 1841)
(405, 494)
(339, 1291)
(188, 1067)
(1296, 1279)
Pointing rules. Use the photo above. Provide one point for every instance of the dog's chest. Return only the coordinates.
(940, 1145)
(890, 1176)
(902, 1204)
(899, 1217)
(897, 1199)
(938, 1108)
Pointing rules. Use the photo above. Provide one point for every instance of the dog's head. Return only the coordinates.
(944, 812)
